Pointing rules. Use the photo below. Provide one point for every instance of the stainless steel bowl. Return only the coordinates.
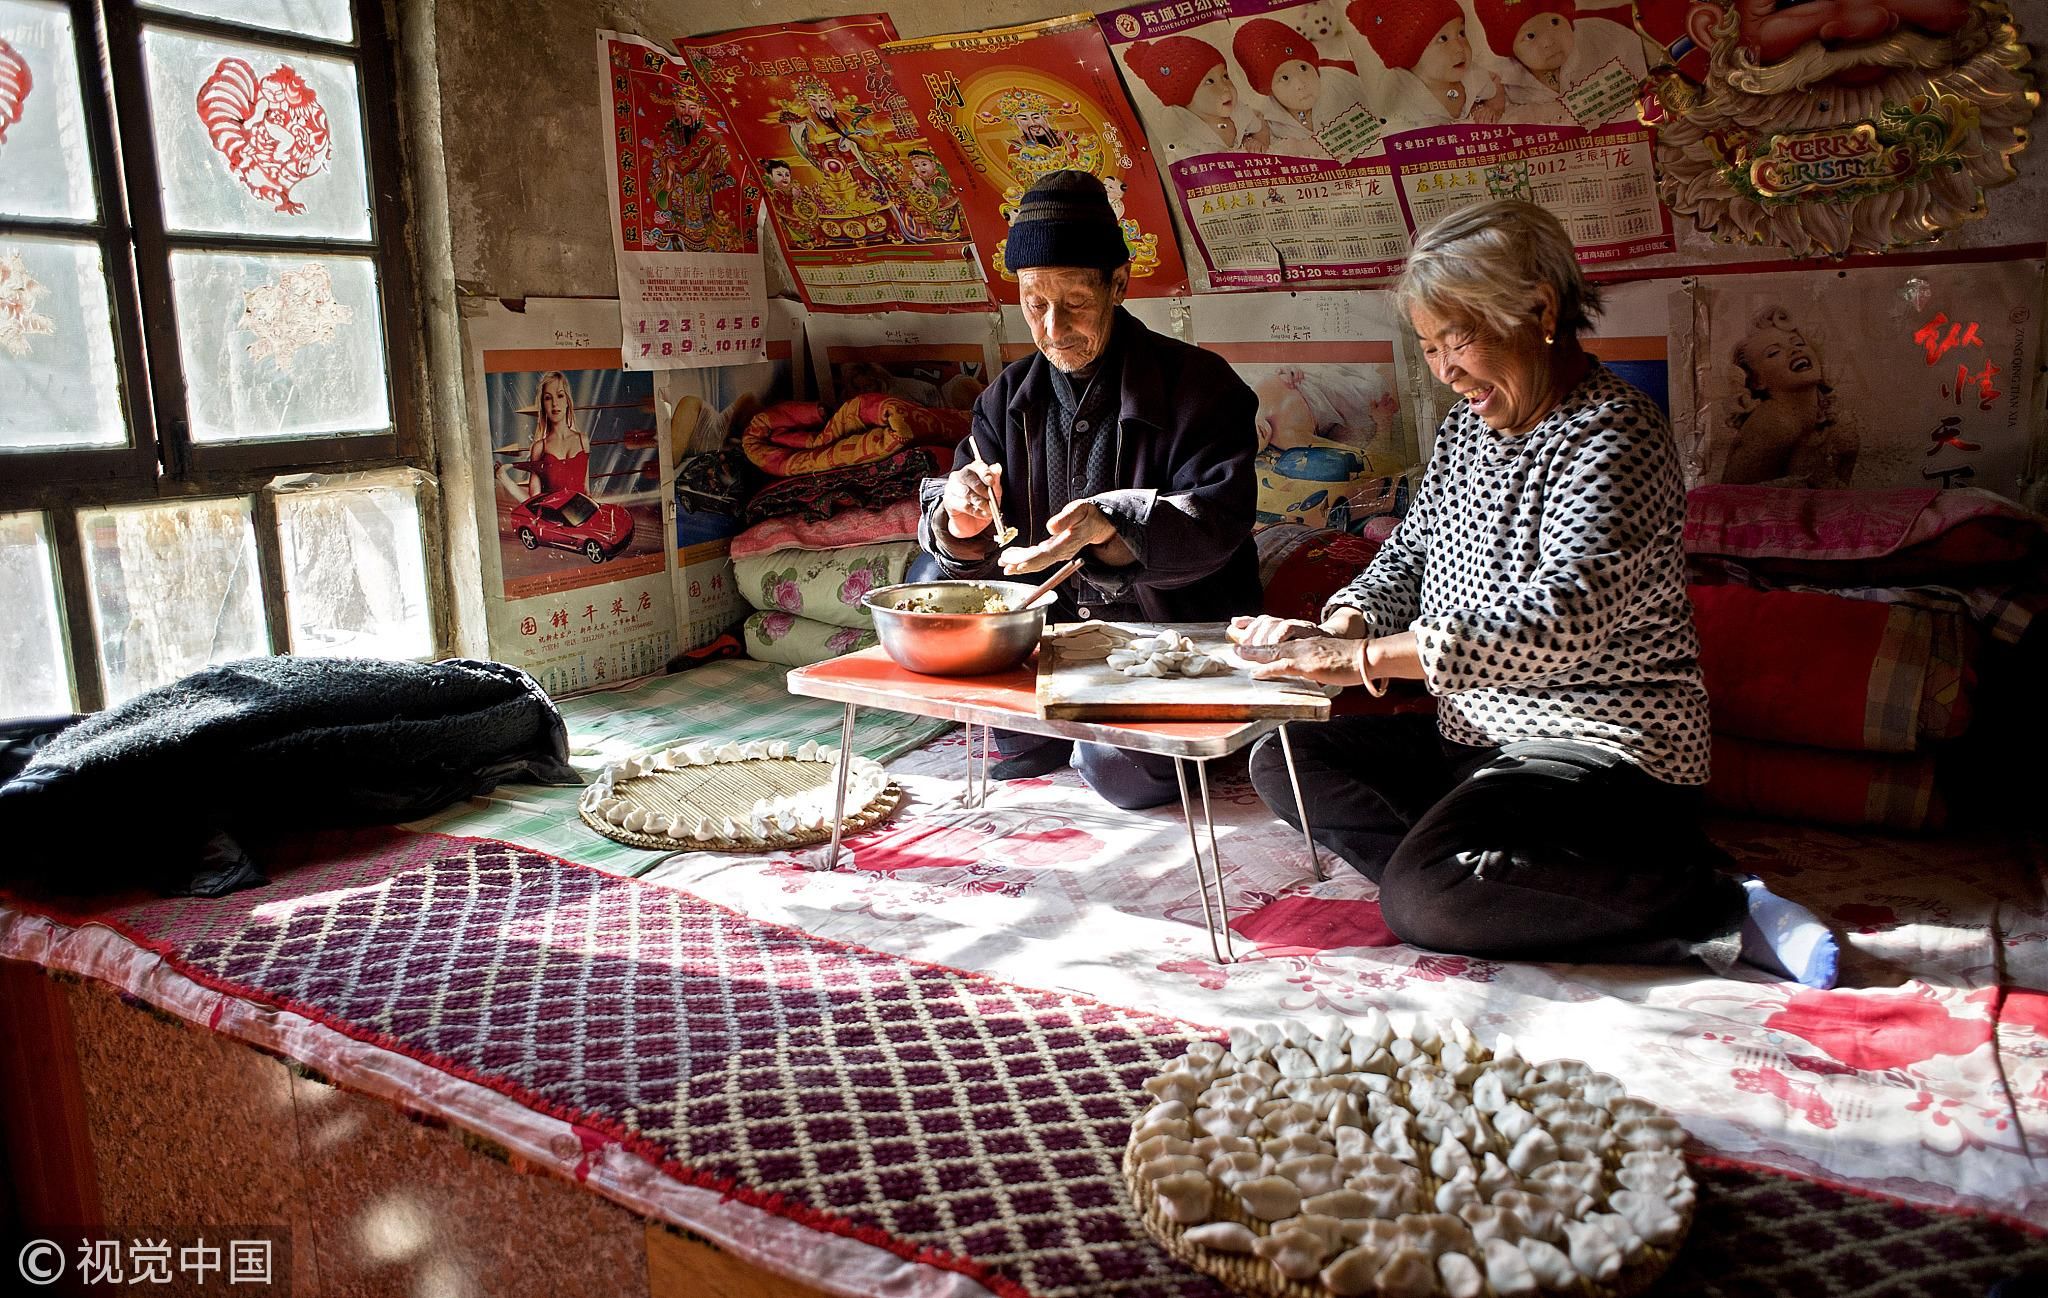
(952, 641)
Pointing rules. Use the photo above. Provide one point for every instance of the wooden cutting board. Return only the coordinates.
(1073, 687)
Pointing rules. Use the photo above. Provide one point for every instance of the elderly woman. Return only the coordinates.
(1537, 588)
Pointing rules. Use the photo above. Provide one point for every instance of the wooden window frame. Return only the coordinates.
(161, 463)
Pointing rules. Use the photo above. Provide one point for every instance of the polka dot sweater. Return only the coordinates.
(1544, 579)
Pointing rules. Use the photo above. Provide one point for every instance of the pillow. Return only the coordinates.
(822, 585)
(800, 641)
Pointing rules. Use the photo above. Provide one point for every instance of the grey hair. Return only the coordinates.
(1484, 264)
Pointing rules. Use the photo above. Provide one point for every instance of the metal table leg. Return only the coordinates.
(976, 795)
(1224, 952)
(839, 799)
(1315, 860)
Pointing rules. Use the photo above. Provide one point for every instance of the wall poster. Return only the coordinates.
(1336, 447)
(686, 237)
(1908, 378)
(576, 587)
(866, 212)
(1008, 106)
(942, 362)
(1308, 142)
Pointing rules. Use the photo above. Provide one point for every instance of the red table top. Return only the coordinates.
(1008, 700)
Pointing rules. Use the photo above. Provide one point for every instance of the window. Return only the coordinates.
(206, 441)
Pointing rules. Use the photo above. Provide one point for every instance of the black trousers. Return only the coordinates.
(1544, 850)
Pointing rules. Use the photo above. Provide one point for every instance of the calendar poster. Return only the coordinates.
(942, 362)
(710, 478)
(684, 214)
(867, 213)
(567, 496)
(1006, 107)
(1601, 184)
(1267, 137)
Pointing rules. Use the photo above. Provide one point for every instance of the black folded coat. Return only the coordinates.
(160, 790)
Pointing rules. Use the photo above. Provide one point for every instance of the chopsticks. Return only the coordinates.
(1004, 535)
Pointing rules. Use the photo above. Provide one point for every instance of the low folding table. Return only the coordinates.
(1008, 701)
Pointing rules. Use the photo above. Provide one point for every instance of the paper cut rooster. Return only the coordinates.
(14, 87)
(273, 132)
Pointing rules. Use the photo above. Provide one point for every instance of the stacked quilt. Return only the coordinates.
(1844, 637)
(836, 518)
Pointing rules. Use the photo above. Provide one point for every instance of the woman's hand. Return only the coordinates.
(1324, 660)
(972, 493)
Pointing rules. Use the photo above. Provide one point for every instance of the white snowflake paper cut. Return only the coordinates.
(19, 319)
(296, 310)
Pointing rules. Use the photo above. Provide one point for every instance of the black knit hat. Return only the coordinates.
(1065, 220)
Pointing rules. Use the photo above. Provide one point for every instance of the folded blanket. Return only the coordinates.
(179, 773)
(823, 585)
(818, 496)
(1888, 791)
(897, 522)
(1809, 668)
(864, 430)
(800, 641)
(1989, 552)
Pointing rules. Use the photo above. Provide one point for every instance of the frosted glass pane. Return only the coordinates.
(251, 140)
(37, 682)
(45, 164)
(279, 346)
(59, 385)
(355, 574)
(174, 589)
(327, 19)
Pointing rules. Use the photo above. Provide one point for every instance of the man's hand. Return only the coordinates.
(1323, 660)
(1074, 529)
(972, 493)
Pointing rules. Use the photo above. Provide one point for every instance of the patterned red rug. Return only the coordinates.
(946, 1116)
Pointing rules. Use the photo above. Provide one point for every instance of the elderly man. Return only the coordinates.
(1114, 443)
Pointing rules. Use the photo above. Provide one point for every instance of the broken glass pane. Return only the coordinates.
(59, 385)
(280, 346)
(174, 588)
(45, 161)
(254, 140)
(37, 682)
(354, 571)
(326, 19)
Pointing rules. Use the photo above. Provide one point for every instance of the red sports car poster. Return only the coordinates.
(1010, 105)
(868, 215)
(691, 286)
(568, 496)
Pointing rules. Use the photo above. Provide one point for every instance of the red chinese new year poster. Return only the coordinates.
(691, 287)
(866, 212)
(1008, 106)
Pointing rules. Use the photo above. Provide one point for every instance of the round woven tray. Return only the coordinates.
(1247, 1273)
(730, 789)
